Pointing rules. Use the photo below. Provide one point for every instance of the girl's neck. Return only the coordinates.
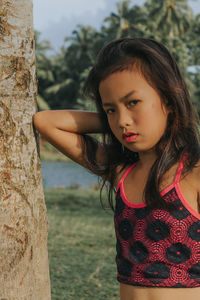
(147, 158)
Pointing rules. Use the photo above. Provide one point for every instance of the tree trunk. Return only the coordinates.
(24, 272)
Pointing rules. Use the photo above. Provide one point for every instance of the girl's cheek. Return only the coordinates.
(114, 126)
(110, 123)
(143, 116)
(137, 120)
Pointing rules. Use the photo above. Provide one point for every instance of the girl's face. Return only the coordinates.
(132, 105)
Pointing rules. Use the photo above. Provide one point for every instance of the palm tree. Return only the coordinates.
(23, 222)
(72, 62)
(82, 39)
(42, 104)
(118, 23)
(45, 69)
(170, 18)
(127, 22)
(169, 21)
(194, 58)
(194, 41)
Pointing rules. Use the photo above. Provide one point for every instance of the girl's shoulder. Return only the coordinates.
(191, 181)
(120, 171)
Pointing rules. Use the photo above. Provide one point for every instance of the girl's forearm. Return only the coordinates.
(75, 121)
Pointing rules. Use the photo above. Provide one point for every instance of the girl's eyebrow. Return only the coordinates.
(121, 99)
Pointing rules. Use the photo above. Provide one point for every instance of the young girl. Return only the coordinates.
(150, 156)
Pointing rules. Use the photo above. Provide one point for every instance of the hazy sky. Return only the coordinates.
(57, 19)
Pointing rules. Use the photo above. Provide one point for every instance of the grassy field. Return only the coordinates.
(81, 246)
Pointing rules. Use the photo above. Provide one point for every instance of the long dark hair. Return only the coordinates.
(161, 71)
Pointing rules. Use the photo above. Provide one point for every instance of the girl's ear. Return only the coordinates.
(169, 110)
(165, 108)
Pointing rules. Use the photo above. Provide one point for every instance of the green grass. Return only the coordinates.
(81, 246)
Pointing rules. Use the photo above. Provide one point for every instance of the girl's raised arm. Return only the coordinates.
(64, 129)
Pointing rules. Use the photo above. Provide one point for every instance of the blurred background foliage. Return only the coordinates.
(171, 22)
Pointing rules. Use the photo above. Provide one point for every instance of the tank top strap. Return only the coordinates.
(124, 175)
(180, 168)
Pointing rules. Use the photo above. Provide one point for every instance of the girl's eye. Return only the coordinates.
(131, 103)
(134, 102)
(109, 111)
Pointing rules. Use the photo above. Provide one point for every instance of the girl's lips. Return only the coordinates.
(131, 138)
(128, 134)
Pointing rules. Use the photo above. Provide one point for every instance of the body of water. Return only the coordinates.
(65, 174)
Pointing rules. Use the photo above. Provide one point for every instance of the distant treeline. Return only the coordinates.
(172, 22)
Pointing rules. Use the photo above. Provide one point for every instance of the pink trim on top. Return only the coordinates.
(167, 189)
(174, 184)
(122, 192)
(177, 177)
(125, 174)
(180, 168)
(179, 192)
(131, 204)
(185, 203)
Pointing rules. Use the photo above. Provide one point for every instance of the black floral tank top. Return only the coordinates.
(157, 247)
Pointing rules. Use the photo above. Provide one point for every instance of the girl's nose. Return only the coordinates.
(125, 119)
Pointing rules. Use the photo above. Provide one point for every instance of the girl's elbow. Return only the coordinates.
(38, 120)
(42, 121)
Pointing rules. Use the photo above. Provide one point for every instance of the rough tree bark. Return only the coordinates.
(24, 271)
